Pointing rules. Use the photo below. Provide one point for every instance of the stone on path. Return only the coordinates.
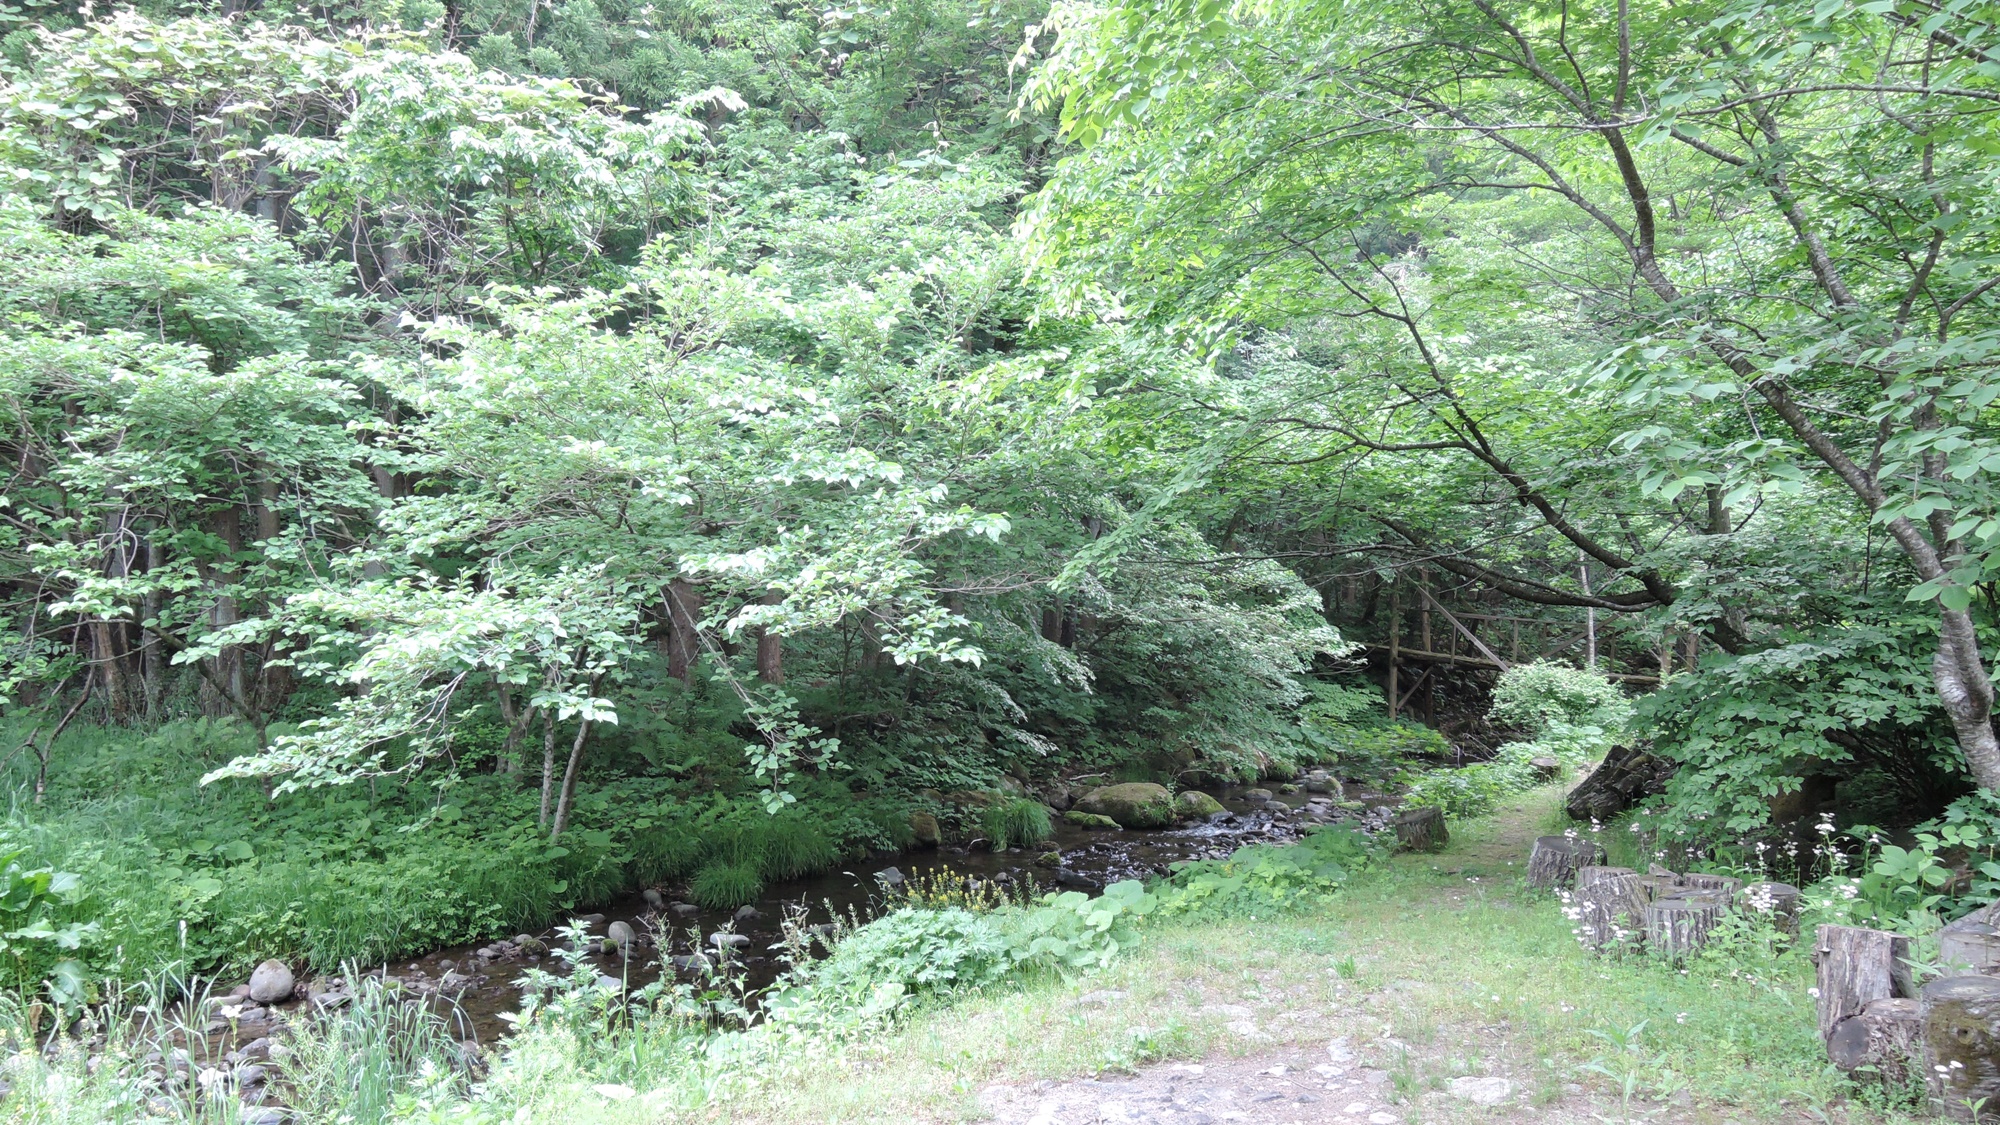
(1482, 1091)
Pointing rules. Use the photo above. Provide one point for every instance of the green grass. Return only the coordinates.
(725, 884)
(216, 878)
(1438, 966)
(1015, 823)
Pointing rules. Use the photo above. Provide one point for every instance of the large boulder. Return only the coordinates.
(1134, 804)
(1193, 804)
(924, 830)
(271, 982)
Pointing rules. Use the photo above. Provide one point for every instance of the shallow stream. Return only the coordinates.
(474, 985)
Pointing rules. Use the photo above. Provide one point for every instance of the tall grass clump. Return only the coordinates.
(1016, 823)
(353, 1064)
(722, 885)
(792, 849)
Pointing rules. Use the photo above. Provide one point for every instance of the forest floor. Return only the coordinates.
(1441, 991)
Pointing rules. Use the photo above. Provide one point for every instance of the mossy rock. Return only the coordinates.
(1134, 804)
(1193, 804)
(1089, 820)
(975, 798)
(924, 830)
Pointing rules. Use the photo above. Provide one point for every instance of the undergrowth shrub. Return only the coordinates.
(1540, 696)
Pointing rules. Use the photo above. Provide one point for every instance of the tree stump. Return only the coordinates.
(1972, 942)
(1777, 901)
(1962, 1044)
(1695, 880)
(1421, 830)
(1857, 966)
(1629, 774)
(1887, 1037)
(1554, 861)
(1610, 904)
(1676, 927)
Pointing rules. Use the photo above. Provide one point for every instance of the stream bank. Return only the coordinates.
(474, 986)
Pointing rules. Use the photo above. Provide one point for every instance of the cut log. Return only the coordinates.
(1629, 775)
(1857, 966)
(1777, 901)
(1962, 1044)
(1885, 1041)
(1421, 830)
(1677, 927)
(1611, 905)
(1554, 861)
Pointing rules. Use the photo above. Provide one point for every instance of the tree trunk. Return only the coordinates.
(569, 778)
(548, 764)
(1967, 693)
(684, 606)
(1962, 1045)
(152, 664)
(1856, 966)
(771, 650)
(517, 720)
(1554, 861)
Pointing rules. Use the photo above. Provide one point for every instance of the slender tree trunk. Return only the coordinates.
(684, 606)
(517, 720)
(569, 777)
(152, 665)
(770, 651)
(548, 763)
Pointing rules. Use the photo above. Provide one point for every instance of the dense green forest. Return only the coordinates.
(470, 462)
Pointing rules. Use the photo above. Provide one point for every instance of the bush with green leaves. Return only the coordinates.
(1847, 699)
(920, 950)
(1545, 696)
(1265, 877)
(1070, 930)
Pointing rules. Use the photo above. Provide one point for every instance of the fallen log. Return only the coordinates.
(1627, 776)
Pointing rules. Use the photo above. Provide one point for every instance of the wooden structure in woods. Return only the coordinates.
(1423, 635)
